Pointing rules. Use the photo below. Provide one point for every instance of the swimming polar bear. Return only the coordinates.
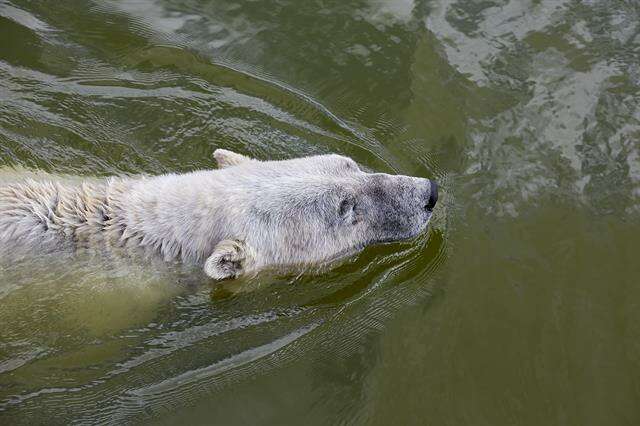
(245, 216)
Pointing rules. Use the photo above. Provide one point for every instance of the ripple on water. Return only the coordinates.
(96, 339)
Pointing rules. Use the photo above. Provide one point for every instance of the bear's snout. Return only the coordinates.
(433, 195)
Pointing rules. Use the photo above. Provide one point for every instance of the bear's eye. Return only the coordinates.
(346, 207)
(347, 210)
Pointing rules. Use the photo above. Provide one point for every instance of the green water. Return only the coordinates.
(520, 306)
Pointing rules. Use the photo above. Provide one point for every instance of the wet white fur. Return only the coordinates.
(238, 219)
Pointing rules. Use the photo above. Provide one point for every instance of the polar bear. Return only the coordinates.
(241, 218)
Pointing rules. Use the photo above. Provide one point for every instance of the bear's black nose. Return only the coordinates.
(433, 196)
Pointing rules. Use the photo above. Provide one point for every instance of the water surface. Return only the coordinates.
(519, 306)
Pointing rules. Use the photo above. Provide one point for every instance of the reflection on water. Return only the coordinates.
(570, 74)
(517, 306)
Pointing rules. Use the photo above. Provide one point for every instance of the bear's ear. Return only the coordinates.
(226, 158)
(227, 260)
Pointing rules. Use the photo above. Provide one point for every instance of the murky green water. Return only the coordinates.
(521, 306)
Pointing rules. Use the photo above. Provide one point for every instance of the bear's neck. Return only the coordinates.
(170, 214)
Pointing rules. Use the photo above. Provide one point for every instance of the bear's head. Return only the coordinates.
(311, 210)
